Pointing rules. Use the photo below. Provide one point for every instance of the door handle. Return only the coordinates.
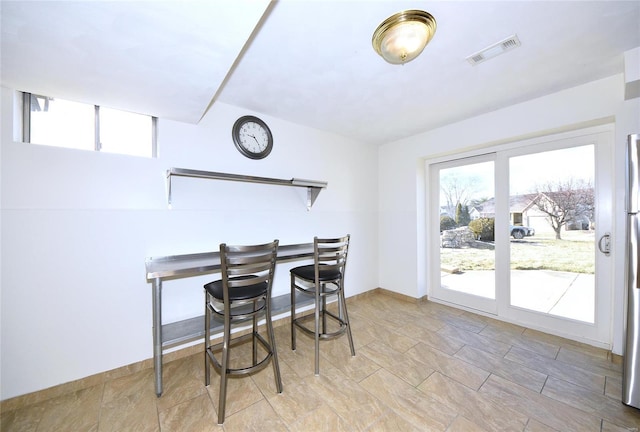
(604, 244)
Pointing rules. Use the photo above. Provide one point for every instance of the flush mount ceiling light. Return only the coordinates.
(402, 37)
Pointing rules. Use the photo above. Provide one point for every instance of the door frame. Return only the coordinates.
(603, 138)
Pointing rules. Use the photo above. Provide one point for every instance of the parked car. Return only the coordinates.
(520, 232)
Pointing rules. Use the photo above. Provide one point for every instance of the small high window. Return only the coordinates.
(62, 123)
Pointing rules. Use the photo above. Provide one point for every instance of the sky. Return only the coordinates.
(527, 171)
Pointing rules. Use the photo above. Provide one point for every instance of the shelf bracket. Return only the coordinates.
(312, 194)
(168, 189)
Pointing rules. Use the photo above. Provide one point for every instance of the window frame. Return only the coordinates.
(26, 126)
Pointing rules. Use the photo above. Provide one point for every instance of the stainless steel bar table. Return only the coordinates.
(189, 265)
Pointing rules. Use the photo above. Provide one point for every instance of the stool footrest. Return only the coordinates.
(245, 370)
(243, 312)
(325, 292)
(298, 322)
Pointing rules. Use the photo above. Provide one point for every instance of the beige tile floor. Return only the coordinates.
(418, 367)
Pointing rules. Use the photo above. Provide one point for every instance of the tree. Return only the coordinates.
(483, 228)
(458, 214)
(446, 223)
(478, 202)
(563, 201)
(465, 217)
(458, 189)
(462, 215)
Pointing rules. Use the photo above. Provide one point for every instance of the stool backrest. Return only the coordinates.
(248, 265)
(331, 254)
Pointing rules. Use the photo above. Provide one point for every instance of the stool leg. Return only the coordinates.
(254, 339)
(317, 330)
(207, 339)
(274, 351)
(343, 306)
(293, 312)
(224, 365)
(324, 308)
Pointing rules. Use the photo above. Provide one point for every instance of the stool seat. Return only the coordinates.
(216, 289)
(308, 273)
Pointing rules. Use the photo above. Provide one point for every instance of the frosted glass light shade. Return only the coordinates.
(402, 37)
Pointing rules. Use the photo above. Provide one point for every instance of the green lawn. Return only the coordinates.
(574, 253)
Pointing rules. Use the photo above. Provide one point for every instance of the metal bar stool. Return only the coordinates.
(323, 278)
(242, 294)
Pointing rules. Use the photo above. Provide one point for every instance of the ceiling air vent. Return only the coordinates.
(494, 50)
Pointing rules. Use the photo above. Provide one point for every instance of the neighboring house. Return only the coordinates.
(522, 211)
(474, 213)
(583, 214)
(487, 209)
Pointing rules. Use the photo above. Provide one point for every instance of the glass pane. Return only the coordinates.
(467, 212)
(125, 133)
(62, 123)
(552, 249)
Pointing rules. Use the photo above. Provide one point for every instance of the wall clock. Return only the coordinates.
(252, 137)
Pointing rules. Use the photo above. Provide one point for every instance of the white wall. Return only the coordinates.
(402, 174)
(78, 225)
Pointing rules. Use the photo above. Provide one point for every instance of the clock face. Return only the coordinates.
(252, 137)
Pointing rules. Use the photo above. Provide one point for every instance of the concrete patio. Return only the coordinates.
(564, 294)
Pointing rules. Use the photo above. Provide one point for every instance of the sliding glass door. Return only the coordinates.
(463, 193)
(515, 233)
(553, 265)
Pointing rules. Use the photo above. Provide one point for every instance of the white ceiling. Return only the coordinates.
(309, 62)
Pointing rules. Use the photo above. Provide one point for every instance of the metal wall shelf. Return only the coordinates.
(313, 186)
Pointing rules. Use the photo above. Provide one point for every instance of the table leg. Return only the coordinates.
(157, 333)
